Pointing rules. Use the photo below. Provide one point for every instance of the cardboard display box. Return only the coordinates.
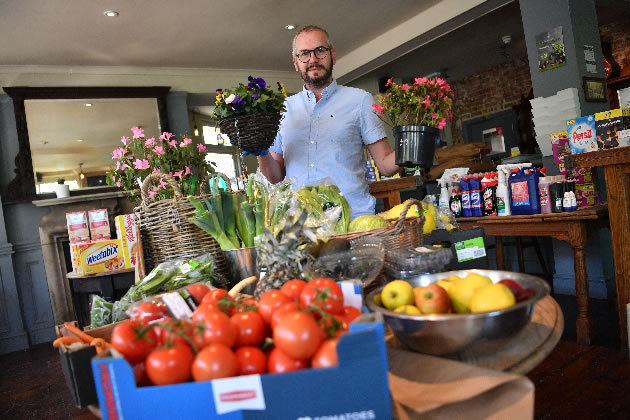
(467, 246)
(76, 365)
(582, 137)
(357, 388)
(609, 124)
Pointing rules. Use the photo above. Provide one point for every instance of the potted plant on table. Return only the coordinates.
(139, 157)
(62, 189)
(250, 114)
(417, 112)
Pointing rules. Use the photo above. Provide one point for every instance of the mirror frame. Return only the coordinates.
(22, 187)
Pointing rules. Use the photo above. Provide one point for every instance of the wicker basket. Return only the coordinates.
(405, 232)
(252, 132)
(165, 233)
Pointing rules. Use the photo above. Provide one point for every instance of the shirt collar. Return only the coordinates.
(326, 93)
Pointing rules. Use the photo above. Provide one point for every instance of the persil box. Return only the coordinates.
(609, 124)
(356, 389)
(582, 136)
(128, 236)
(98, 256)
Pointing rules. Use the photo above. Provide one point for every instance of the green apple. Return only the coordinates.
(492, 297)
(397, 293)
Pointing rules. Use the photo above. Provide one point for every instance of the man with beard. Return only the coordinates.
(326, 127)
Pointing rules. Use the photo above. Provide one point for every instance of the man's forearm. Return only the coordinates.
(271, 168)
(389, 166)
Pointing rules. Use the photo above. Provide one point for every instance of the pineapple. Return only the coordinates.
(283, 254)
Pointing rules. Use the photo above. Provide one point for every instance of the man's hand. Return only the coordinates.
(256, 152)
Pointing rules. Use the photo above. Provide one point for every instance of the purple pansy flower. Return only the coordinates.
(256, 83)
(237, 103)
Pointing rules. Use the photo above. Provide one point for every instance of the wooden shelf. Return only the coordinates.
(75, 276)
(616, 156)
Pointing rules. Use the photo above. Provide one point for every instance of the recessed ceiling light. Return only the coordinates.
(111, 13)
(88, 104)
(79, 140)
(289, 27)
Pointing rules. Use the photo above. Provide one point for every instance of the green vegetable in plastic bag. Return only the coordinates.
(100, 312)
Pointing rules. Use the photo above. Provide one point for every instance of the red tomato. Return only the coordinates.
(203, 310)
(198, 291)
(213, 362)
(166, 336)
(279, 313)
(349, 313)
(219, 295)
(150, 311)
(279, 362)
(326, 354)
(334, 296)
(219, 329)
(269, 302)
(250, 328)
(298, 335)
(247, 305)
(140, 375)
(251, 360)
(293, 288)
(169, 365)
(333, 326)
(133, 346)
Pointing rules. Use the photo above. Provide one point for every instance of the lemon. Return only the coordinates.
(492, 297)
(429, 224)
(394, 212)
(446, 283)
(461, 292)
(377, 300)
(408, 309)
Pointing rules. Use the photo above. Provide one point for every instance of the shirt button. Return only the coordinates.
(312, 141)
(312, 165)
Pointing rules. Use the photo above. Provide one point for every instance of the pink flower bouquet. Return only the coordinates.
(138, 157)
(425, 102)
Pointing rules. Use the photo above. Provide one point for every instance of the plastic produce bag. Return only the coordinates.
(100, 311)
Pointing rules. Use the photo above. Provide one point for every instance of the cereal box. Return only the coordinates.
(75, 250)
(77, 226)
(127, 234)
(99, 257)
(99, 224)
(609, 124)
(581, 133)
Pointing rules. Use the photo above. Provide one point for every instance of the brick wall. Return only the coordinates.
(618, 34)
(489, 91)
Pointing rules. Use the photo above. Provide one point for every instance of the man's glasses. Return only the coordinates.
(305, 55)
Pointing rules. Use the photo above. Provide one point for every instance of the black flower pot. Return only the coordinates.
(415, 145)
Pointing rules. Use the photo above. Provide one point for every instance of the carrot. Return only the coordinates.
(66, 340)
(86, 338)
(100, 344)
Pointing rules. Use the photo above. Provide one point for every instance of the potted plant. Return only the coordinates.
(62, 189)
(139, 157)
(417, 112)
(250, 114)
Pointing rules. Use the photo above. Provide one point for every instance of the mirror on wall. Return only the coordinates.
(70, 133)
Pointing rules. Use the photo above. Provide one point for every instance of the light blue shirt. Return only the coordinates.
(326, 139)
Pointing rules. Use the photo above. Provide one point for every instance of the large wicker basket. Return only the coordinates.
(252, 132)
(405, 232)
(165, 233)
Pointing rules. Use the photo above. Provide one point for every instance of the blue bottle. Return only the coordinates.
(464, 186)
(523, 185)
(475, 196)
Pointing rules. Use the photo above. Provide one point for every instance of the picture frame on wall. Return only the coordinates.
(594, 89)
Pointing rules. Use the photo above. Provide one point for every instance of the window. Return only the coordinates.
(49, 187)
(212, 135)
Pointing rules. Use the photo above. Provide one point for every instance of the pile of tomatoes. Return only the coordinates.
(293, 328)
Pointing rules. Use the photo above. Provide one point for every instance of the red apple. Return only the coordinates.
(432, 299)
(514, 286)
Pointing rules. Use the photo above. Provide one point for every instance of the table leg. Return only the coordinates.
(393, 199)
(498, 248)
(577, 239)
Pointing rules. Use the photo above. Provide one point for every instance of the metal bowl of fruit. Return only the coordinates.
(458, 331)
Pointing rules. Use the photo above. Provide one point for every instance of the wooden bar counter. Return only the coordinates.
(389, 189)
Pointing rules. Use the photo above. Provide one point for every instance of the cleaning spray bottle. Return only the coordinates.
(503, 196)
(444, 196)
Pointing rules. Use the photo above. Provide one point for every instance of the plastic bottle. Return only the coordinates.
(503, 197)
(545, 195)
(566, 201)
(444, 197)
(488, 194)
(573, 201)
(556, 192)
(465, 188)
(455, 201)
(523, 185)
(475, 195)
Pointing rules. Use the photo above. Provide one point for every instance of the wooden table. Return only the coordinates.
(569, 227)
(389, 189)
(616, 163)
(108, 285)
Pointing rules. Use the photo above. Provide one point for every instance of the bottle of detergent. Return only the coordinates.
(544, 195)
(523, 184)
(475, 195)
(503, 195)
(464, 186)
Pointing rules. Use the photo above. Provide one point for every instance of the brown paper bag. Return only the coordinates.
(427, 387)
(471, 150)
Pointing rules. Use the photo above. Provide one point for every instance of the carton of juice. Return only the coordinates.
(127, 234)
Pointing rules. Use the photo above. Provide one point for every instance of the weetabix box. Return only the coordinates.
(609, 124)
(581, 133)
(98, 257)
(127, 234)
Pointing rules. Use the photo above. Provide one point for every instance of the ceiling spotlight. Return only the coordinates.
(196, 131)
(289, 27)
(88, 104)
(111, 13)
(81, 174)
(79, 140)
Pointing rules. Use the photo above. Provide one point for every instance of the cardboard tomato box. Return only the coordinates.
(356, 389)
(76, 365)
